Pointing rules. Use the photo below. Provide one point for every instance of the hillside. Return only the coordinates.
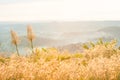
(114, 31)
(101, 61)
(73, 48)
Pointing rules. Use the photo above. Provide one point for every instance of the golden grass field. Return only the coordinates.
(99, 61)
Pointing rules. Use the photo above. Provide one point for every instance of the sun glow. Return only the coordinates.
(60, 10)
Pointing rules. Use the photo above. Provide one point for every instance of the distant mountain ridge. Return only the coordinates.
(71, 41)
(111, 30)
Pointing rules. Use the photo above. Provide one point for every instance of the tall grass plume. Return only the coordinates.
(15, 40)
(30, 35)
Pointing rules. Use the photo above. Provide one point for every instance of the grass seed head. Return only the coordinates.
(30, 34)
(15, 38)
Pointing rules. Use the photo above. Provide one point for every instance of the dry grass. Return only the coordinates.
(15, 40)
(99, 62)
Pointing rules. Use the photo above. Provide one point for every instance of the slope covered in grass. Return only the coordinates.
(99, 61)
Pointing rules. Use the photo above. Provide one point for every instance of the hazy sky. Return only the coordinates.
(59, 10)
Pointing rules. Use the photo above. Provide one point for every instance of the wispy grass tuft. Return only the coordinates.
(30, 35)
(15, 40)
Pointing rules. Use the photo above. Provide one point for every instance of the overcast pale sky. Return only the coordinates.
(59, 10)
